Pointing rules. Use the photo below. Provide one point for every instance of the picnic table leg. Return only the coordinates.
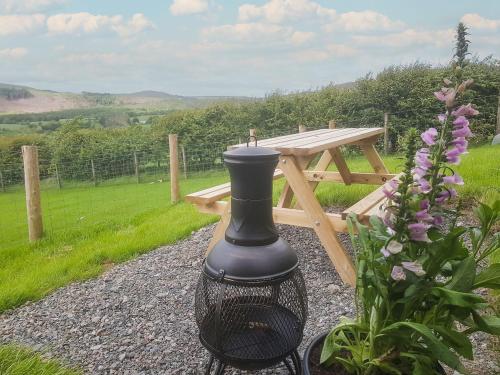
(374, 158)
(322, 165)
(341, 164)
(287, 194)
(320, 223)
(220, 229)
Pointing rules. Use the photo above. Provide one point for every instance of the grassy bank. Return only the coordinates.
(91, 228)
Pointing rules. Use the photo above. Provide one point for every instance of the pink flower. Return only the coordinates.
(424, 204)
(414, 267)
(419, 172)
(445, 195)
(461, 121)
(422, 159)
(442, 118)
(385, 252)
(462, 132)
(429, 136)
(438, 220)
(390, 188)
(452, 155)
(398, 273)
(446, 95)
(423, 215)
(465, 110)
(460, 141)
(453, 179)
(418, 232)
(425, 186)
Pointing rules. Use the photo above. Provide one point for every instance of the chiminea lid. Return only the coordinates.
(251, 263)
(251, 153)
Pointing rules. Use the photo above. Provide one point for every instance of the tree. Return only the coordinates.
(462, 45)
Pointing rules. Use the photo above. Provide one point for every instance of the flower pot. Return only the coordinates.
(311, 366)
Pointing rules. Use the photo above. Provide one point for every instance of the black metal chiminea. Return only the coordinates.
(251, 302)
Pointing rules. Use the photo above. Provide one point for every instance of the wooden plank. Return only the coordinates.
(314, 139)
(321, 224)
(282, 138)
(367, 203)
(321, 145)
(341, 164)
(174, 168)
(215, 193)
(356, 178)
(289, 216)
(221, 227)
(374, 158)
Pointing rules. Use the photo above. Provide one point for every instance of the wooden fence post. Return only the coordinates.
(32, 187)
(498, 116)
(93, 172)
(58, 178)
(386, 133)
(332, 124)
(184, 162)
(174, 168)
(136, 167)
(1, 182)
(302, 128)
(252, 132)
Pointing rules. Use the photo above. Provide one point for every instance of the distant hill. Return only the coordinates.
(22, 99)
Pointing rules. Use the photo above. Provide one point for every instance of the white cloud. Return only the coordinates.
(409, 37)
(93, 58)
(20, 24)
(27, 6)
(342, 50)
(277, 11)
(301, 37)
(363, 21)
(13, 53)
(182, 7)
(474, 20)
(246, 32)
(71, 23)
(331, 51)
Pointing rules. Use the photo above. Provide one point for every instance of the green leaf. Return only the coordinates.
(434, 346)
(454, 298)
(464, 275)
(457, 340)
(489, 278)
(488, 324)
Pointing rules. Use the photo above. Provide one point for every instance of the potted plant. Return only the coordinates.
(418, 267)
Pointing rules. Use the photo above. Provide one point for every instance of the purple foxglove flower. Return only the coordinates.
(385, 252)
(440, 96)
(398, 273)
(452, 155)
(425, 186)
(414, 267)
(394, 247)
(461, 121)
(462, 132)
(423, 215)
(465, 110)
(438, 220)
(442, 118)
(445, 195)
(460, 141)
(418, 173)
(418, 232)
(429, 136)
(424, 204)
(422, 161)
(453, 179)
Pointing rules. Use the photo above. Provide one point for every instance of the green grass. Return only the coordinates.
(90, 228)
(18, 361)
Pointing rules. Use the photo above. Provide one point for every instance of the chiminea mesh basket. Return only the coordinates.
(251, 325)
(251, 302)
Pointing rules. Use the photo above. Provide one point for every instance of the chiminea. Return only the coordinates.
(251, 301)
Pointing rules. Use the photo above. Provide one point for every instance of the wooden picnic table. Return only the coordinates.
(302, 176)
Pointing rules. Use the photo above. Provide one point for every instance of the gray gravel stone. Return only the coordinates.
(138, 318)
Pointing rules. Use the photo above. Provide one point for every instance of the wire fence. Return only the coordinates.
(86, 192)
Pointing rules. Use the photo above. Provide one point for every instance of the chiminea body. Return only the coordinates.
(251, 302)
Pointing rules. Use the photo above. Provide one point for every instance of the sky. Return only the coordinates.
(222, 47)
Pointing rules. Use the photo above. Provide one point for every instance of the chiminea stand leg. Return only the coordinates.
(221, 366)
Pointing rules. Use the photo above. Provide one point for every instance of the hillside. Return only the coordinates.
(21, 99)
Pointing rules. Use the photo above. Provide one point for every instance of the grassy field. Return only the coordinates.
(90, 228)
(18, 361)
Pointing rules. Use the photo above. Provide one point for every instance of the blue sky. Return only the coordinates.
(216, 47)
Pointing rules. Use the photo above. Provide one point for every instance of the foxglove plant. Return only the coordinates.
(416, 279)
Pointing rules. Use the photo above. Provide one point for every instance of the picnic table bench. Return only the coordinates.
(302, 176)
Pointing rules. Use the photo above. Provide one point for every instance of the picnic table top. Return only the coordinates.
(312, 142)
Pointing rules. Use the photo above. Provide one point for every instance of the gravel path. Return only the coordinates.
(138, 318)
